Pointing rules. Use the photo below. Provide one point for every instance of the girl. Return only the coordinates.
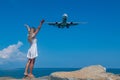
(32, 51)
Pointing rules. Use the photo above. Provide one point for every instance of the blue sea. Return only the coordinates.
(39, 72)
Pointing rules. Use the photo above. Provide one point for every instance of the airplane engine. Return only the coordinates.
(67, 26)
(71, 22)
(56, 22)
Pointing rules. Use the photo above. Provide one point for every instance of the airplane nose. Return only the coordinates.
(65, 15)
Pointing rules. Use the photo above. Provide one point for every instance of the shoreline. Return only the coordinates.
(93, 72)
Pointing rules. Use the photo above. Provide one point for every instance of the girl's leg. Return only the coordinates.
(27, 66)
(31, 67)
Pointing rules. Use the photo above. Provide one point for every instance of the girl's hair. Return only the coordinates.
(33, 28)
(30, 35)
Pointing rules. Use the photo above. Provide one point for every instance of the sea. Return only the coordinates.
(40, 72)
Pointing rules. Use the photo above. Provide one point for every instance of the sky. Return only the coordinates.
(94, 43)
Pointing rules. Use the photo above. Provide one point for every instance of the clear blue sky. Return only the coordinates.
(97, 42)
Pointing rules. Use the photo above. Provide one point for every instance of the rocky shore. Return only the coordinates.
(95, 72)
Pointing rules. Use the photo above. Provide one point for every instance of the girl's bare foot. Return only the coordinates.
(25, 75)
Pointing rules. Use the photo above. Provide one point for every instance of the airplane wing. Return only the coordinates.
(53, 23)
(75, 23)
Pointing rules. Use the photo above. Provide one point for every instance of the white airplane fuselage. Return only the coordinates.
(64, 20)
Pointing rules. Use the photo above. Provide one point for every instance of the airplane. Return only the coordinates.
(64, 22)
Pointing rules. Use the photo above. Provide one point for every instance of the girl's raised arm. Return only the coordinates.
(27, 26)
(39, 27)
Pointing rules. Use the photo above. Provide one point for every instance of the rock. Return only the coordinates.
(44, 78)
(40, 78)
(96, 72)
(27, 78)
(6, 78)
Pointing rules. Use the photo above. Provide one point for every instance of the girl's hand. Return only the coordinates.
(42, 21)
(25, 25)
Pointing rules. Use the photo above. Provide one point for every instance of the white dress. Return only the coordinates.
(32, 51)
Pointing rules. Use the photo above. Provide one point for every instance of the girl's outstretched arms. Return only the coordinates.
(39, 27)
(27, 26)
